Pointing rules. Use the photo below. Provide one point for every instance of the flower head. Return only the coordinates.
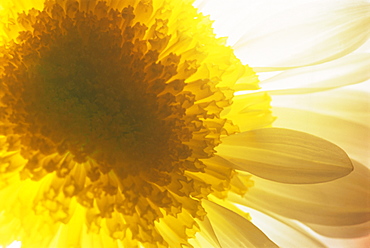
(119, 126)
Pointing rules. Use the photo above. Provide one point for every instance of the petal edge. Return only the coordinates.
(285, 155)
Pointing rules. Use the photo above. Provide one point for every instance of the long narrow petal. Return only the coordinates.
(234, 230)
(352, 136)
(285, 155)
(208, 232)
(345, 103)
(351, 231)
(341, 202)
(306, 35)
(349, 70)
(283, 231)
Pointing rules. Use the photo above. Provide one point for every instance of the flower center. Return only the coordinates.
(119, 108)
(96, 90)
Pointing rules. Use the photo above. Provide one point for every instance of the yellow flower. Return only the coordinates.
(119, 127)
(287, 43)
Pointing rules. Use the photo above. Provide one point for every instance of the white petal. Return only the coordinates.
(233, 230)
(344, 103)
(349, 70)
(306, 35)
(351, 136)
(285, 155)
(282, 231)
(233, 18)
(341, 202)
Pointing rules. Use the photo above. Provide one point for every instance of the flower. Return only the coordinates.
(119, 127)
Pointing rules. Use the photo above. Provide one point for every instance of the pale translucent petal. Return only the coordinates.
(233, 230)
(285, 155)
(341, 202)
(351, 136)
(282, 231)
(353, 231)
(344, 103)
(229, 15)
(306, 35)
(349, 70)
(363, 242)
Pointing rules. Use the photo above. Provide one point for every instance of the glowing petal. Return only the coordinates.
(351, 231)
(352, 136)
(208, 232)
(287, 156)
(337, 203)
(349, 70)
(15, 244)
(305, 35)
(344, 103)
(234, 230)
(283, 232)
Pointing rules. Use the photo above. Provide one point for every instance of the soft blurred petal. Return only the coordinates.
(352, 231)
(281, 230)
(341, 202)
(233, 230)
(284, 155)
(231, 13)
(344, 103)
(341, 116)
(306, 35)
(285, 33)
(349, 70)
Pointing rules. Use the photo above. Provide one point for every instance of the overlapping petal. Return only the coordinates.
(286, 156)
(286, 34)
(341, 202)
(352, 69)
(303, 34)
(234, 230)
(340, 116)
(283, 231)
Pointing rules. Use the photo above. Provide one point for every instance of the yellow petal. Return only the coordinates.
(208, 233)
(285, 155)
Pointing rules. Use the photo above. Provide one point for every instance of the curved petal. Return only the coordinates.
(344, 103)
(349, 70)
(208, 233)
(233, 230)
(342, 202)
(282, 231)
(353, 231)
(306, 35)
(362, 242)
(353, 137)
(285, 155)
